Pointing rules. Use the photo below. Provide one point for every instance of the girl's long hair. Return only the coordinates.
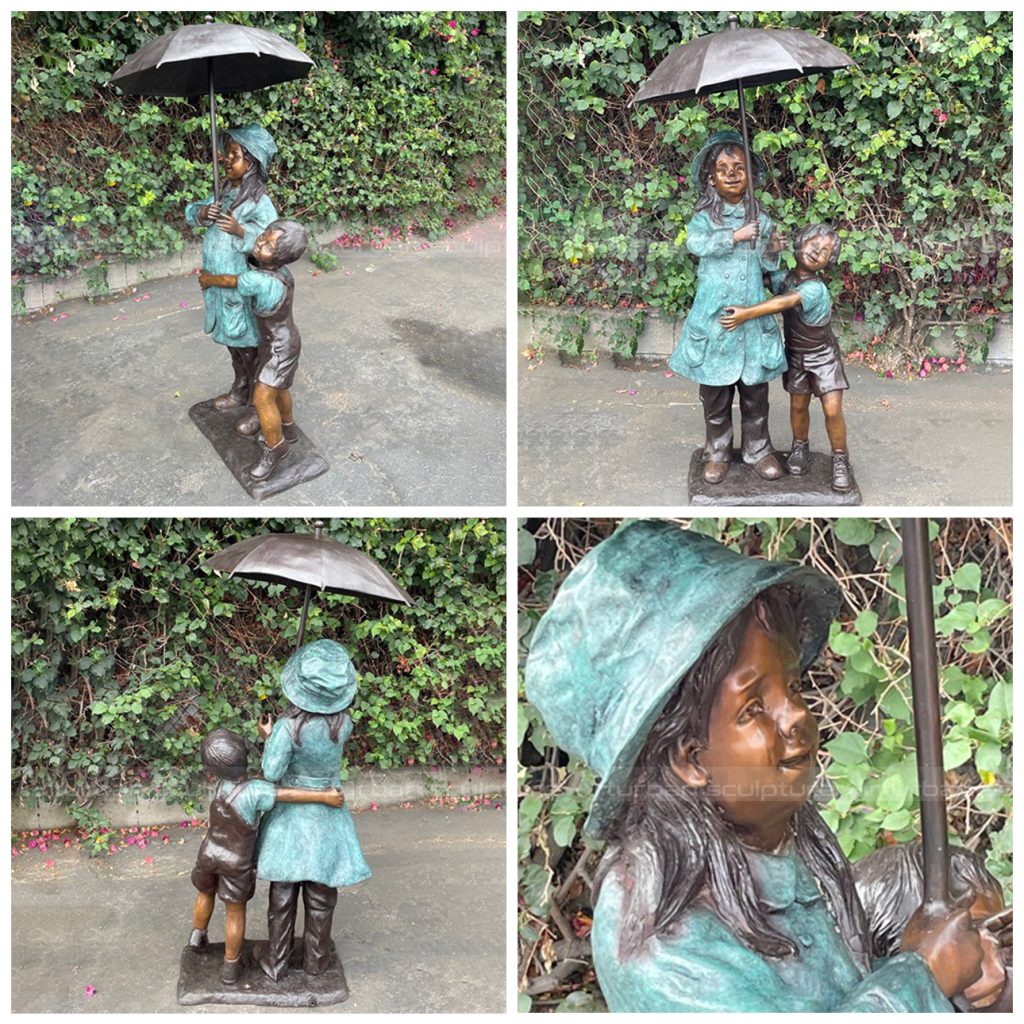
(303, 718)
(253, 184)
(671, 847)
(711, 200)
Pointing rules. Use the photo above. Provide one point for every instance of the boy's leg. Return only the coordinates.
(284, 407)
(835, 424)
(800, 416)
(266, 403)
(234, 930)
(202, 911)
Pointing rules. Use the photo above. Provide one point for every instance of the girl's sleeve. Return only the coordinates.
(254, 217)
(192, 211)
(277, 753)
(704, 239)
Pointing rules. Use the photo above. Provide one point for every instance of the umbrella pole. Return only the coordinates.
(302, 617)
(746, 156)
(213, 130)
(924, 683)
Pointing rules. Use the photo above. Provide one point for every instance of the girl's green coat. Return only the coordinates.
(729, 274)
(704, 968)
(308, 842)
(229, 316)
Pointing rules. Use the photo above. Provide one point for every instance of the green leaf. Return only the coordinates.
(847, 748)
(854, 531)
(893, 794)
(968, 577)
(955, 753)
(897, 820)
(866, 623)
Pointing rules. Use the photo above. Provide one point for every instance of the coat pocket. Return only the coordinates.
(774, 352)
(235, 322)
(695, 346)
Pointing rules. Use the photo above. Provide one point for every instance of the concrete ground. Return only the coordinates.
(606, 436)
(425, 934)
(401, 386)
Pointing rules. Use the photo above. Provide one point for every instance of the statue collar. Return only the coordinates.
(780, 878)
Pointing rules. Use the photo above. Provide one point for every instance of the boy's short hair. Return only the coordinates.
(816, 231)
(224, 754)
(291, 243)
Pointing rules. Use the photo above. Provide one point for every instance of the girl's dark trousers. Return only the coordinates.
(318, 902)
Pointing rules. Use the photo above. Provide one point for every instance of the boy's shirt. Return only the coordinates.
(815, 302)
(265, 288)
(253, 797)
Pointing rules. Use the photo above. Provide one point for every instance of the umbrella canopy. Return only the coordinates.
(734, 59)
(739, 57)
(308, 559)
(242, 59)
(212, 57)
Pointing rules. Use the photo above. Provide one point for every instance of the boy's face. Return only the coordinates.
(264, 248)
(729, 175)
(816, 253)
(762, 740)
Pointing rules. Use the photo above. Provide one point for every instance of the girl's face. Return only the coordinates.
(759, 758)
(729, 175)
(235, 163)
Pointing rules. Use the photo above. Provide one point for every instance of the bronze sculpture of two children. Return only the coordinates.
(730, 340)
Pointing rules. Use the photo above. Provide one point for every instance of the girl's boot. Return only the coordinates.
(243, 363)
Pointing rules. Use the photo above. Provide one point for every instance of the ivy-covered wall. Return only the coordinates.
(400, 125)
(908, 155)
(859, 692)
(125, 652)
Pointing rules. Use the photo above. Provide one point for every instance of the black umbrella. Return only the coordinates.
(734, 59)
(212, 57)
(318, 562)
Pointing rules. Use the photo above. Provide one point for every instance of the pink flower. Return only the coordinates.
(295, 101)
(147, 860)
(373, 807)
(14, 851)
(888, 374)
(858, 316)
(89, 991)
(451, 24)
(433, 71)
(32, 843)
(475, 32)
(183, 305)
(50, 864)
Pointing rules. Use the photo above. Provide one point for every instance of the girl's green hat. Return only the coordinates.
(628, 623)
(257, 142)
(733, 138)
(320, 677)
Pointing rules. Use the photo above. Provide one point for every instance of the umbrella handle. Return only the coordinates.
(752, 206)
(213, 130)
(302, 617)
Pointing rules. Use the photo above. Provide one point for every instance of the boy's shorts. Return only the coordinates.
(229, 887)
(278, 360)
(814, 371)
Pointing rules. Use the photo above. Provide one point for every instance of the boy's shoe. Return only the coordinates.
(799, 458)
(290, 431)
(842, 475)
(198, 940)
(232, 971)
(269, 458)
(248, 424)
